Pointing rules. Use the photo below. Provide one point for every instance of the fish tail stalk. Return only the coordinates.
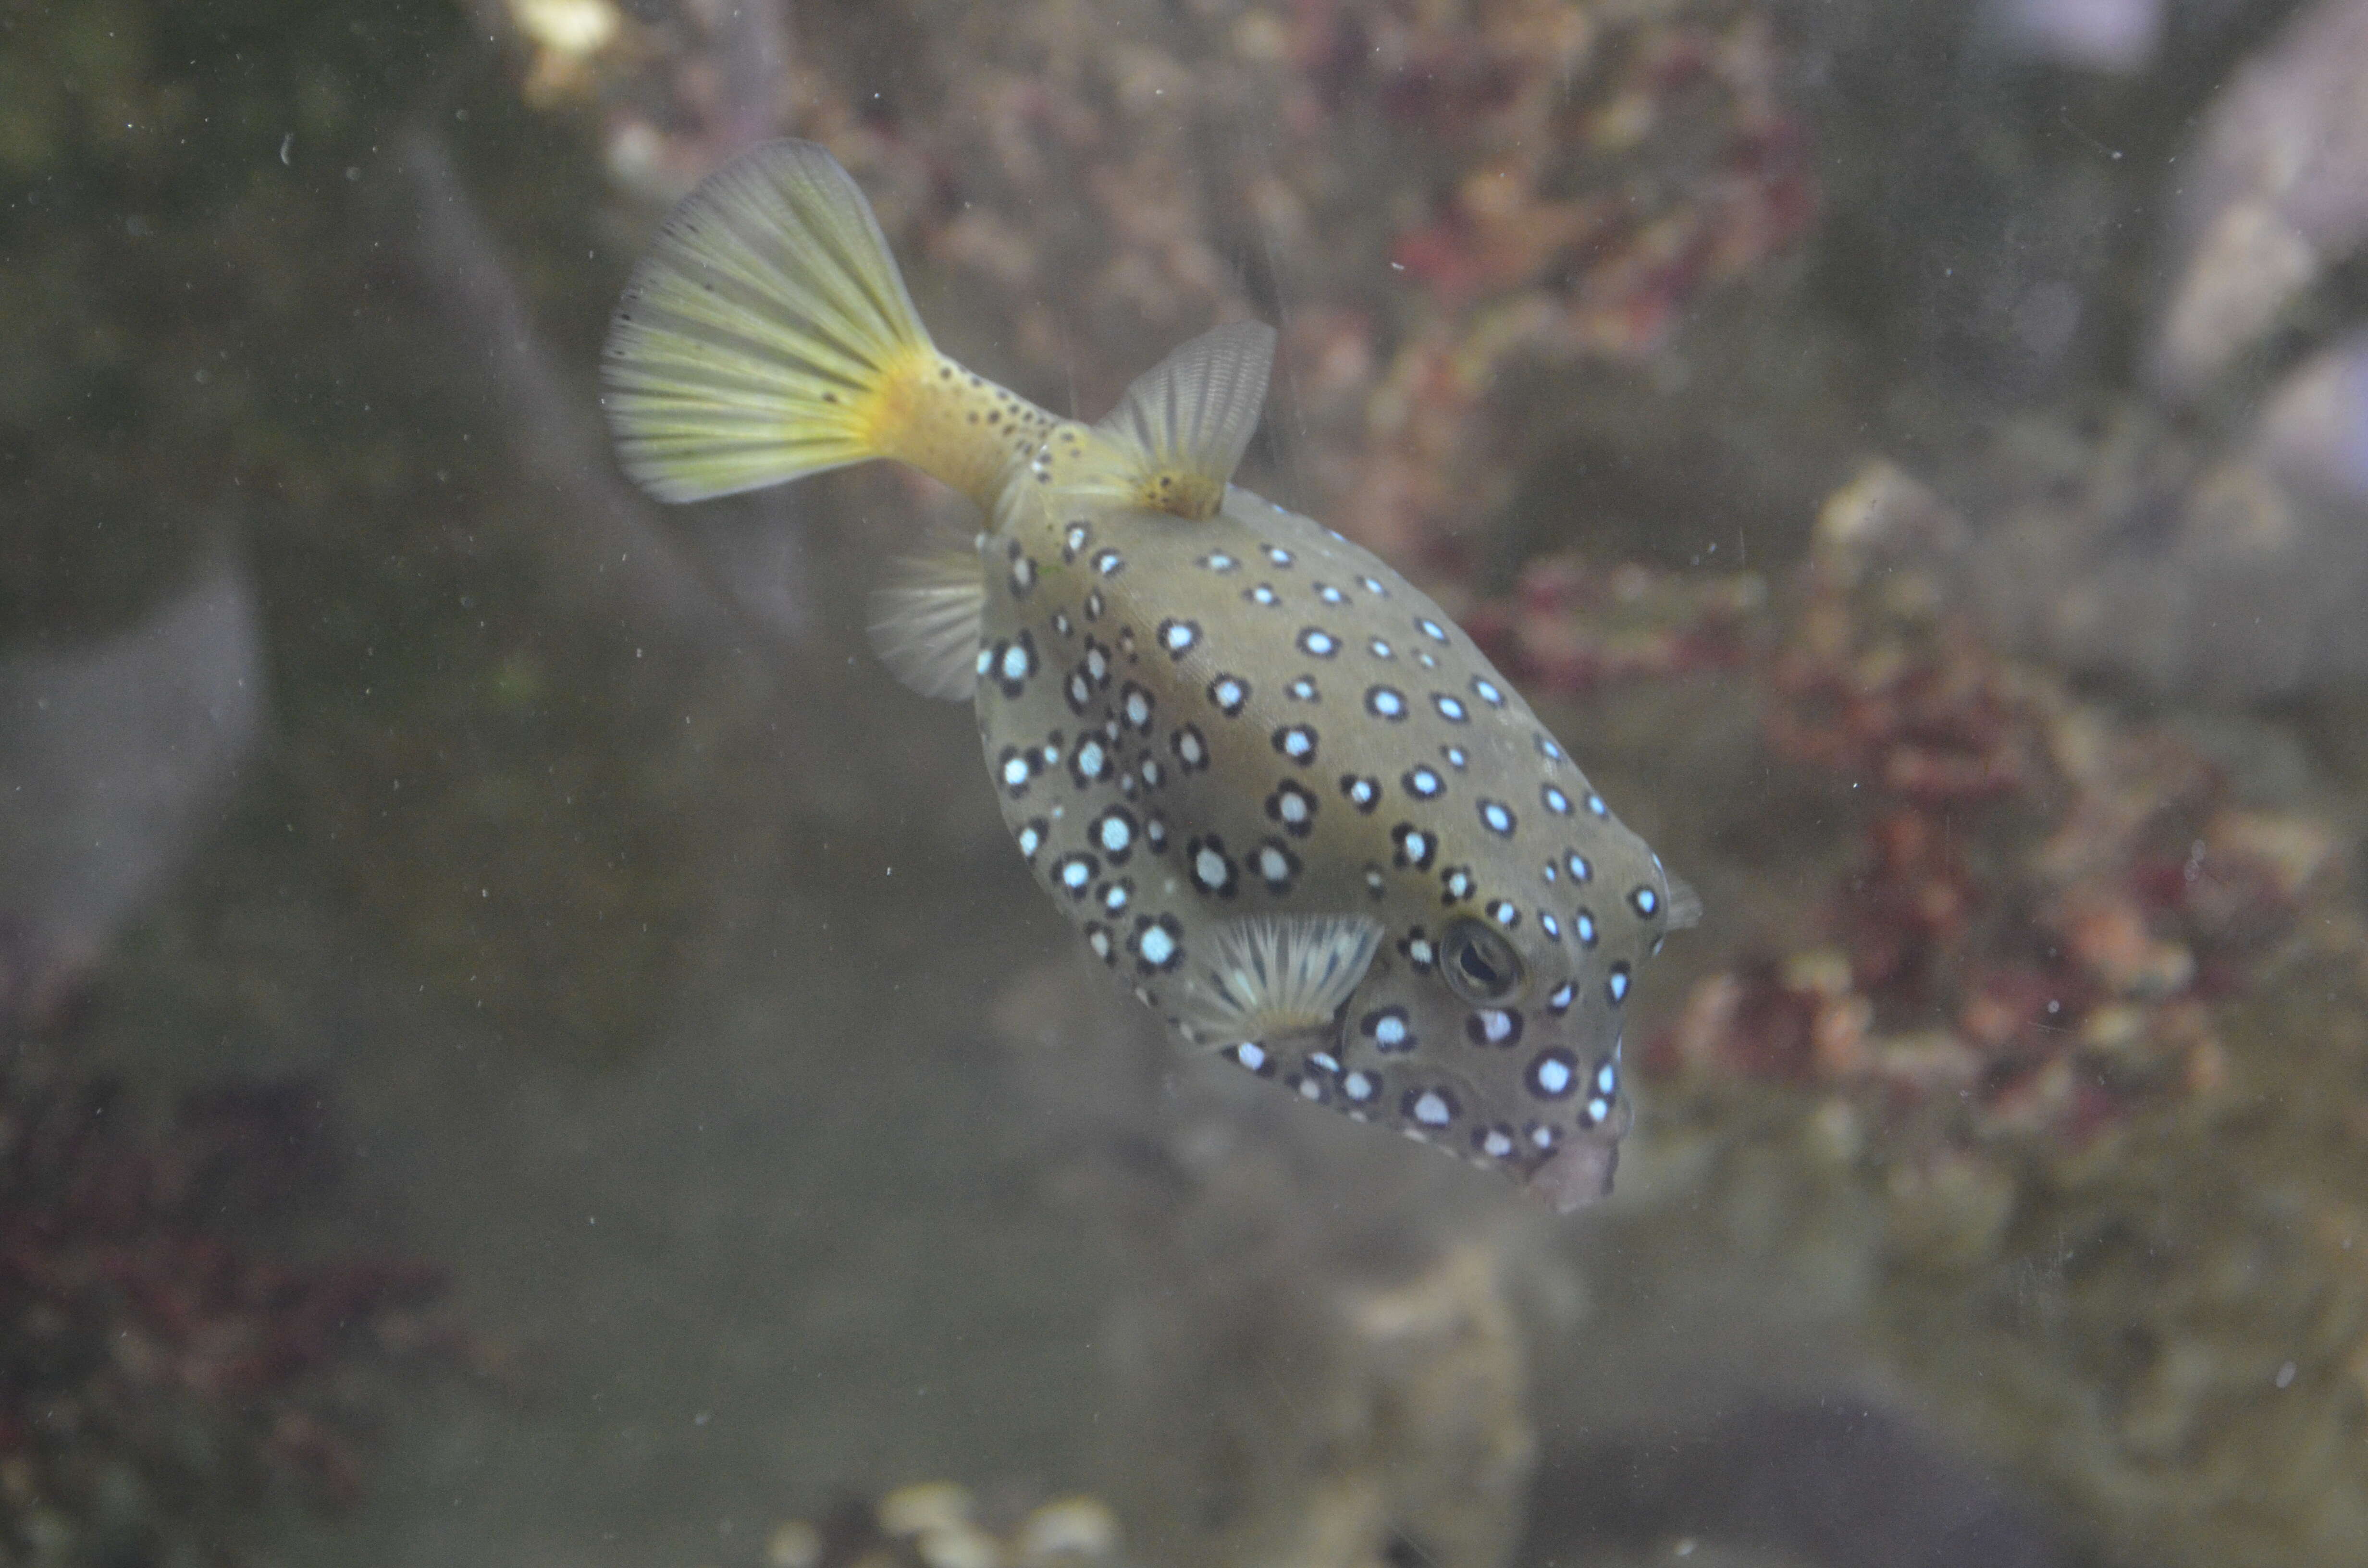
(768, 334)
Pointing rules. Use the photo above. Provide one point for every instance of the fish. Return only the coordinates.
(1272, 783)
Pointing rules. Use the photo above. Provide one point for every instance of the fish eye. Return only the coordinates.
(1479, 964)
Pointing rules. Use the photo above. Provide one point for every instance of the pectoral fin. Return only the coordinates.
(1271, 975)
(925, 623)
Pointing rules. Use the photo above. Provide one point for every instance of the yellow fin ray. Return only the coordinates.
(766, 333)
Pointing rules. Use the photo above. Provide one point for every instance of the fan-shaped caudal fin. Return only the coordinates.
(1181, 429)
(1272, 975)
(768, 334)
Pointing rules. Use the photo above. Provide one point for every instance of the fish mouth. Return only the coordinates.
(1577, 1174)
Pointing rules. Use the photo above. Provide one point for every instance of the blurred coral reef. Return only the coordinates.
(162, 1363)
(2050, 1018)
(1420, 195)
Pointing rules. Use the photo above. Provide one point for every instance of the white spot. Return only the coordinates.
(1229, 694)
(1118, 834)
(1543, 1136)
(1495, 1145)
(1553, 1076)
(1180, 636)
(1291, 808)
(1297, 743)
(1100, 941)
(1209, 868)
(1548, 924)
(1598, 1108)
(1374, 586)
(1279, 555)
(1138, 708)
(1547, 748)
(1272, 866)
(1249, 1054)
(1386, 703)
(1107, 563)
(1498, 819)
(1580, 871)
(1646, 901)
(1310, 1089)
(1075, 874)
(1420, 949)
(1030, 841)
(1595, 804)
(1324, 1060)
(985, 660)
(1618, 985)
(1585, 926)
(1358, 1086)
(1416, 846)
(1456, 756)
(1218, 561)
(1561, 999)
(1302, 691)
(1330, 595)
(1015, 771)
(1318, 642)
(1380, 650)
(1496, 1025)
(1425, 782)
(1188, 747)
(1607, 1078)
(1557, 802)
(1092, 759)
(1158, 946)
(1431, 1110)
(1486, 692)
(1389, 1031)
(1424, 660)
(1450, 709)
(1431, 630)
(1263, 595)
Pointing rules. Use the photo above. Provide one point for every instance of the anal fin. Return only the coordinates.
(925, 623)
(1279, 975)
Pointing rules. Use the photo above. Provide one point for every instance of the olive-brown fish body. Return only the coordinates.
(1188, 723)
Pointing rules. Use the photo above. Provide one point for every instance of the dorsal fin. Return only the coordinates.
(1277, 975)
(924, 622)
(1184, 424)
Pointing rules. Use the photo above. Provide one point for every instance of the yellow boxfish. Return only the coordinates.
(1270, 782)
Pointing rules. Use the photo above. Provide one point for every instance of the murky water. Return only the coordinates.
(633, 1097)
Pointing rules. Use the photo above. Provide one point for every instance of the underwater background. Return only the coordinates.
(524, 1045)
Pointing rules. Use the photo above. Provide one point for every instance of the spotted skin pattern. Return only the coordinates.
(1276, 789)
(1306, 733)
